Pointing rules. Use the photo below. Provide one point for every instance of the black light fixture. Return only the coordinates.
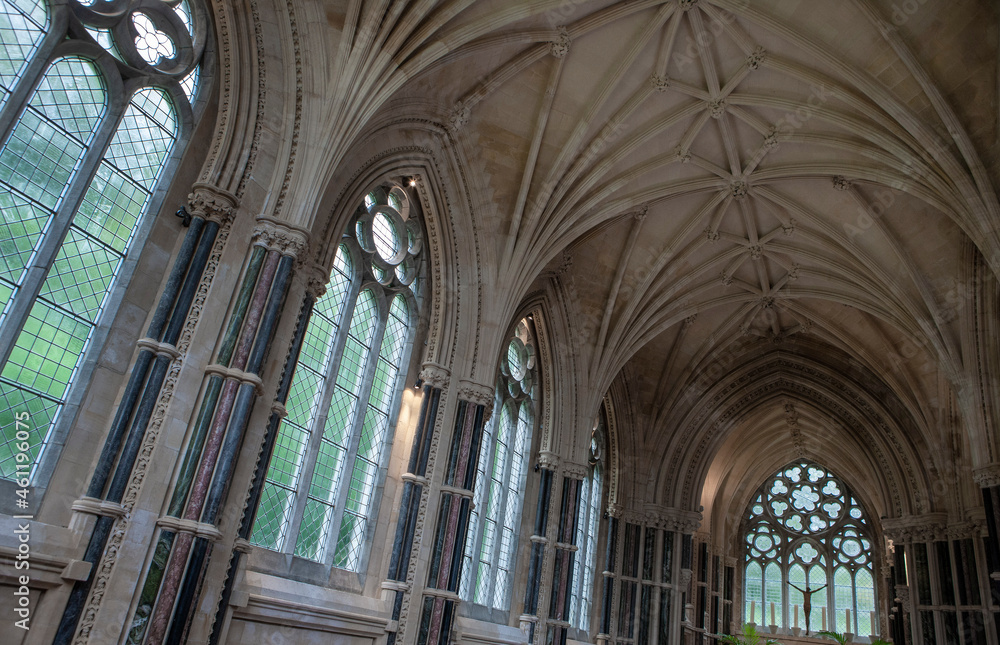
(420, 381)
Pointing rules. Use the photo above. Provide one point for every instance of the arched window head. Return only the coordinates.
(319, 497)
(491, 544)
(806, 531)
(93, 115)
(585, 562)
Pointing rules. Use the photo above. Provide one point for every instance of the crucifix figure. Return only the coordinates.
(807, 594)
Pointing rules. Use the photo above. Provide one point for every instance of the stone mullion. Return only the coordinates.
(439, 601)
(529, 619)
(211, 210)
(396, 587)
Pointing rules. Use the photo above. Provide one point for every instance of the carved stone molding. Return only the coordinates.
(659, 517)
(277, 236)
(435, 375)
(476, 393)
(211, 203)
(560, 46)
(987, 476)
(549, 460)
(660, 83)
(841, 183)
(756, 57)
(903, 596)
(459, 116)
(316, 277)
(575, 471)
(931, 527)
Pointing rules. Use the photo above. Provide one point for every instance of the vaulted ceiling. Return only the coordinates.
(716, 180)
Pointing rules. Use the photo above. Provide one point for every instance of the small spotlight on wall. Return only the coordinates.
(413, 182)
(416, 386)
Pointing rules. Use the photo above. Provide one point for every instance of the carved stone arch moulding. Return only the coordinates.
(613, 459)
(770, 379)
(418, 167)
(242, 81)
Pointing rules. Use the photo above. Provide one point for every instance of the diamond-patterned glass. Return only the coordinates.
(21, 226)
(41, 411)
(22, 25)
(47, 350)
(349, 542)
(144, 137)
(315, 524)
(71, 96)
(272, 517)
(326, 475)
(81, 275)
(38, 160)
(111, 208)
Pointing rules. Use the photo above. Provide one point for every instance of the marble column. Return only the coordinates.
(233, 384)
(440, 598)
(211, 210)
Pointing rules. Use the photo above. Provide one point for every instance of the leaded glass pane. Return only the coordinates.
(22, 25)
(804, 519)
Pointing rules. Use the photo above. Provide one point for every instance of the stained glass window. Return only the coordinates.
(583, 593)
(85, 138)
(491, 543)
(806, 533)
(318, 496)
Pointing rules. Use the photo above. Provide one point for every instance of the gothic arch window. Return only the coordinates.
(805, 528)
(585, 562)
(95, 106)
(318, 501)
(491, 542)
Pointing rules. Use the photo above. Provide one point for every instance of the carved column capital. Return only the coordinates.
(548, 460)
(435, 375)
(211, 203)
(987, 476)
(575, 471)
(476, 393)
(316, 277)
(281, 237)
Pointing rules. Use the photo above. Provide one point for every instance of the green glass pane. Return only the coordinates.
(22, 24)
(326, 475)
(303, 398)
(315, 520)
(21, 225)
(111, 208)
(372, 435)
(144, 137)
(35, 414)
(81, 275)
(47, 351)
(38, 159)
(72, 96)
(339, 416)
(271, 520)
(317, 345)
(286, 460)
(362, 484)
(349, 542)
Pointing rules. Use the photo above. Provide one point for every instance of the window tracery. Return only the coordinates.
(806, 529)
(88, 130)
(319, 494)
(491, 543)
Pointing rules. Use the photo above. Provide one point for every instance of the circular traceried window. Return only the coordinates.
(804, 518)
